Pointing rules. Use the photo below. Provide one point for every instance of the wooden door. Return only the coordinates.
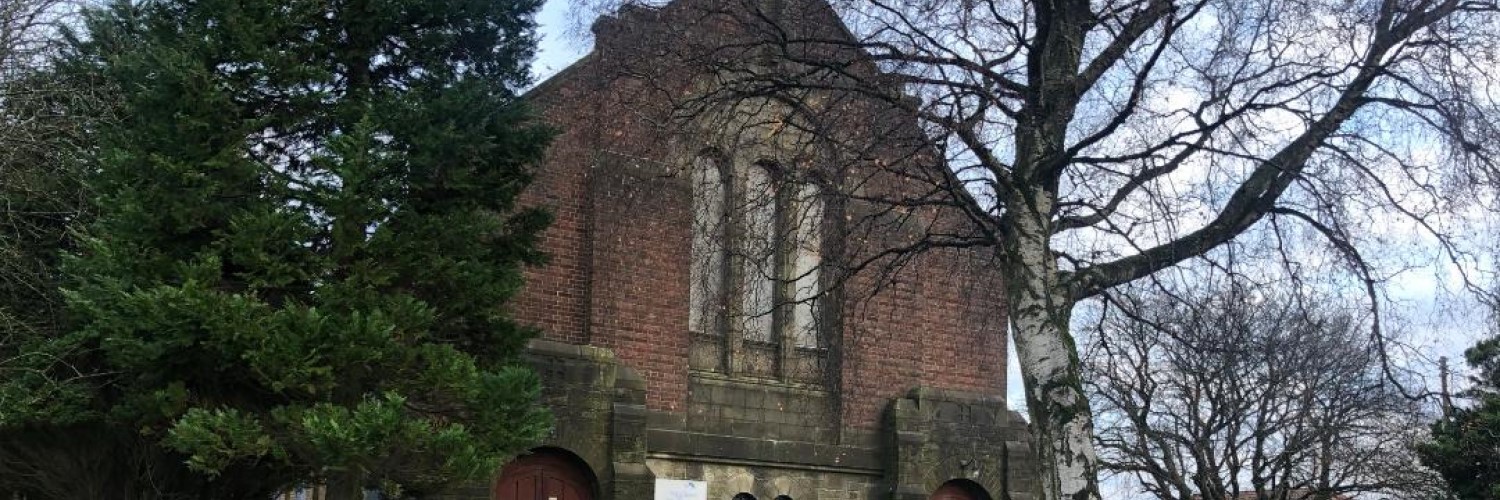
(543, 476)
(952, 491)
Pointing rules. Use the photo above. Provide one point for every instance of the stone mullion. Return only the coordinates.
(785, 248)
(725, 312)
(736, 245)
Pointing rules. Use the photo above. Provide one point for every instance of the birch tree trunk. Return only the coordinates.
(1062, 423)
(1061, 419)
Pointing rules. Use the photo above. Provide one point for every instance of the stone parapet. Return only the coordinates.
(942, 435)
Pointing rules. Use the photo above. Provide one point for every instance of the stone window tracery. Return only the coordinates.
(709, 272)
(757, 288)
(759, 262)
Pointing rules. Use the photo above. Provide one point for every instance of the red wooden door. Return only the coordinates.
(543, 476)
(952, 491)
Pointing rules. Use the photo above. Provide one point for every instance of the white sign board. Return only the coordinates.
(678, 489)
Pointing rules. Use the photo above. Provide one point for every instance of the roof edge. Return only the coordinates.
(546, 86)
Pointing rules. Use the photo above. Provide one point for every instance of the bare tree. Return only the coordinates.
(44, 116)
(44, 119)
(41, 193)
(1088, 144)
(1228, 389)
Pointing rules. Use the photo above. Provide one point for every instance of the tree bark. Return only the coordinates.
(1061, 419)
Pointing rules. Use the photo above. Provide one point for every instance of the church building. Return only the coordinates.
(718, 320)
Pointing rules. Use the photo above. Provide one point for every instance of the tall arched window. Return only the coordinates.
(709, 272)
(806, 259)
(756, 253)
(759, 244)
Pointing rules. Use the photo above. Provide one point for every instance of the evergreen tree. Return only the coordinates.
(307, 232)
(1465, 446)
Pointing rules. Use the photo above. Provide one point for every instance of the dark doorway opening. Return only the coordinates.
(960, 489)
(545, 474)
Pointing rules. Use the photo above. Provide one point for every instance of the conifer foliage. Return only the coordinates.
(1465, 445)
(308, 231)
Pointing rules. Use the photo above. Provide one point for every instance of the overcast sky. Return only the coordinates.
(555, 51)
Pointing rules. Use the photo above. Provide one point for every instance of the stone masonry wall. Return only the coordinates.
(725, 480)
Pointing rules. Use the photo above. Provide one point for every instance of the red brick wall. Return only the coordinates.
(620, 241)
(556, 295)
(618, 276)
(640, 280)
(938, 322)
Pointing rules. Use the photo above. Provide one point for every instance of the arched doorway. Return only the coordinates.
(545, 474)
(959, 489)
